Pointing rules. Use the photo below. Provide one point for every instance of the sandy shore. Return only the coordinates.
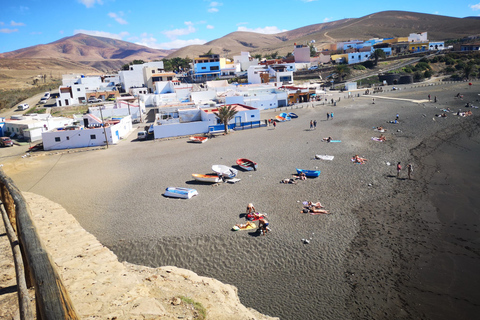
(361, 258)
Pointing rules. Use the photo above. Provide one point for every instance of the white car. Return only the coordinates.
(93, 100)
(45, 97)
(23, 106)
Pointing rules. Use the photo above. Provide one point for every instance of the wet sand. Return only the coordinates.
(364, 260)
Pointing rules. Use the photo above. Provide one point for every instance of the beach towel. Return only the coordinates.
(249, 226)
(335, 140)
(377, 139)
(323, 157)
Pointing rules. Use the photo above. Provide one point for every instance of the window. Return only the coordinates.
(57, 139)
(68, 138)
(169, 78)
(203, 68)
(153, 71)
(93, 137)
(214, 68)
(252, 116)
(78, 89)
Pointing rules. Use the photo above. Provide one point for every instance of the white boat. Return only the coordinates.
(176, 192)
(206, 177)
(323, 157)
(225, 171)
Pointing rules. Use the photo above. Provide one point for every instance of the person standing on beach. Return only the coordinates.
(274, 124)
(410, 171)
(428, 98)
(435, 99)
(399, 168)
(373, 100)
(314, 124)
(328, 116)
(311, 124)
(331, 115)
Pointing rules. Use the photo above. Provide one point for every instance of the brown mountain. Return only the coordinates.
(98, 52)
(378, 25)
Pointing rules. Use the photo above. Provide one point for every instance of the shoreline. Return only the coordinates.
(307, 281)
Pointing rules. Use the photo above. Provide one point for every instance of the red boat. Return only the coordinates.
(198, 139)
(247, 164)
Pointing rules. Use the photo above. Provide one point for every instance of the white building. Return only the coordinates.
(134, 77)
(418, 37)
(190, 121)
(81, 136)
(273, 73)
(243, 62)
(31, 127)
(116, 110)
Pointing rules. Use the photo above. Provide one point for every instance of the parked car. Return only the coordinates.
(37, 147)
(93, 100)
(23, 106)
(313, 68)
(142, 135)
(6, 142)
(45, 98)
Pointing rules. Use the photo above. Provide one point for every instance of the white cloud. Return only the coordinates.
(1, 23)
(17, 24)
(90, 3)
(97, 33)
(327, 19)
(173, 34)
(210, 27)
(117, 17)
(5, 30)
(175, 44)
(266, 30)
(213, 6)
(308, 0)
(475, 7)
(36, 32)
(61, 31)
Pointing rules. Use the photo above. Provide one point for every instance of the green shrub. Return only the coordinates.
(427, 74)
(359, 67)
(449, 69)
(417, 76)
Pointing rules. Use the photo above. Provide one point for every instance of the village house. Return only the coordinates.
(206, 67)
(134, 77)
(31, 127)
(271, 73)
(77, 89)
(189, 120)
(92, 133)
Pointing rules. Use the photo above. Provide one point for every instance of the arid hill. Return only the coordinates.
(378, 25)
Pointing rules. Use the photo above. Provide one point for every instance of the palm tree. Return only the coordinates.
(225, 114)
(378, 53)
(342, 71)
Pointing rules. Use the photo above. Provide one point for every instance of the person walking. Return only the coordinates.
(396, 118)
(428, 98)
(328, 116)
(331, 115)
(311, 124)
(410, 171)
(435, 99)
(399, 168)
(314, 124)
(274, 124)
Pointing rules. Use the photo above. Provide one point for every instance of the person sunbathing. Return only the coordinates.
(382, 138)
(255, 216)
(381, 128)
(318, 211)
(263, 226)
(289, 181)
(358, 159)
(327, 139)
(310, 204)
(246, 225)
(302, 176)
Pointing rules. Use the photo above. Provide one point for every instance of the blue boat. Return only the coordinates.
(285, 116)
(176, 192)
(292, 115)
(309, 173)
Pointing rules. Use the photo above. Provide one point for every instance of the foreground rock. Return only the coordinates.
(102, 287)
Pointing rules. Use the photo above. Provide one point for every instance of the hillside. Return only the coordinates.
(378, 25)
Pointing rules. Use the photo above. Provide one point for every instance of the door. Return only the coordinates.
(238, 121)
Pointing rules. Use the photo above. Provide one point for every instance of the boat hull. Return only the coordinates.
(309, 173)
(198, 139)
(292, 115)
(285, 116)
(183, 193)
(225, 171)
(206, 178)
(246, 164)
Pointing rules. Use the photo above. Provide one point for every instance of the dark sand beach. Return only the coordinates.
(390, 249)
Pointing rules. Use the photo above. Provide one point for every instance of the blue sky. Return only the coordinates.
(173, 24)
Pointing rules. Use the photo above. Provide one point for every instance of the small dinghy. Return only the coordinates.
(285, 116)
(323, 157)
(198, 139)
(206, 178)
(176, 192)
(280, 119)
(309, 173)
(246, 164)
(292, 115)
(225, 171)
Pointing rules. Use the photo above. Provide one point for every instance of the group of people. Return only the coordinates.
(409, 170)
(313, 124)
(294, 178)
(253, 215)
